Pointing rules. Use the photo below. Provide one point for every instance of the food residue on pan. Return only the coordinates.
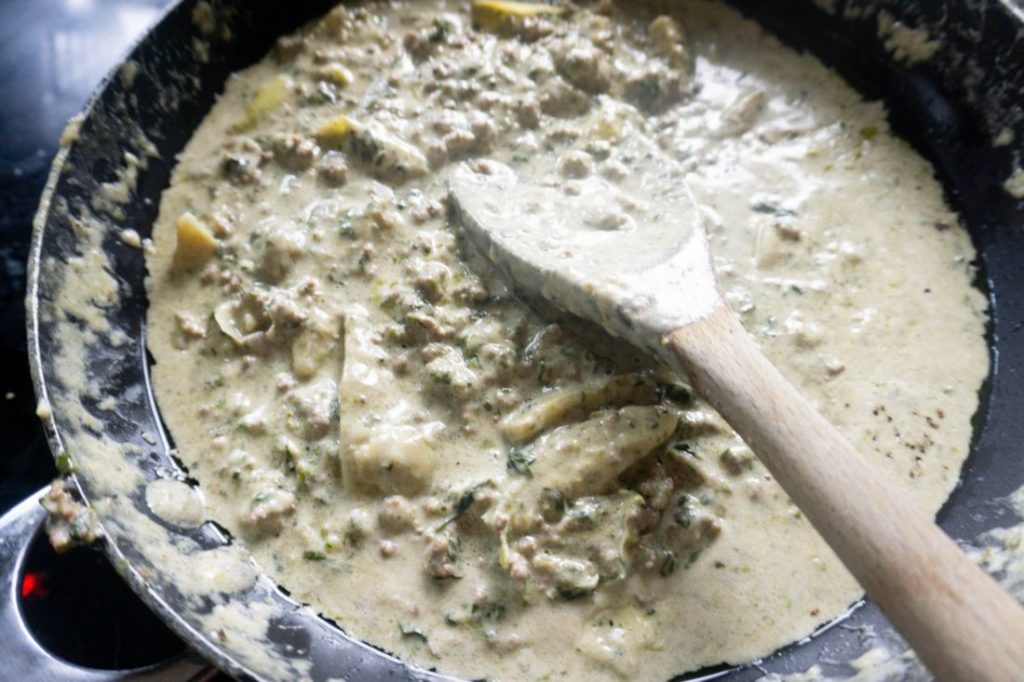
(877, 664)
(69, 522)
(72, 129)
(888, 658)
(1014, 184)
(74, 302)
(176, 502)
(43, 409)
(906, 44)
(1001, 550)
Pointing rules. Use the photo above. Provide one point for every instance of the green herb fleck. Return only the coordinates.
(440, 30)
(771, 208)
(676, 392)
(869, 132)
(353, 535)
(685, 510)
(465, 502)
(571, 593)
(519, 461)
(668, 564)
(213, 382)
(64, 464)
(313, 555)
(683, 447)
(489, 610)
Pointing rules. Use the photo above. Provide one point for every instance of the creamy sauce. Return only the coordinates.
(486, 488)
(631, 255)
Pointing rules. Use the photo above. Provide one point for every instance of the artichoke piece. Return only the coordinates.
(386, 157)
(385, 447)
(337, 74)
(587, 457)
(195, 244)
(393, 459)
(557, 530)
(226, 316)
(267, 98)
(318, 340)
(670, 39)
(560, 406)
(495, 15)
(245, 321)
(334, 133)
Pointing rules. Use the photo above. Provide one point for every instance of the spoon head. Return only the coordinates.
(632, 257)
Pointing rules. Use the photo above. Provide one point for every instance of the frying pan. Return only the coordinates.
(951, 107)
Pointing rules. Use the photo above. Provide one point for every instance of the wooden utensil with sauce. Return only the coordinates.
(644, 272)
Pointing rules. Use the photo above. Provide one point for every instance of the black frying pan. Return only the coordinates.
(950, 107)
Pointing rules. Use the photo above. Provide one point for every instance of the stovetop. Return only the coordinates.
(53, 53)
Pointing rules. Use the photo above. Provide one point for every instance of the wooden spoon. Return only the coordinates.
(645, 274)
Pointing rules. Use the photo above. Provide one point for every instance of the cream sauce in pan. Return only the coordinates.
(482, 486)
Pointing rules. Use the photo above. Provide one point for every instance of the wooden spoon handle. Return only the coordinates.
(958, 620)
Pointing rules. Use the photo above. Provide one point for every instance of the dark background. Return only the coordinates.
(53, 53)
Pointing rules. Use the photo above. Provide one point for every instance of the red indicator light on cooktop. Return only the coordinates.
(32, 585)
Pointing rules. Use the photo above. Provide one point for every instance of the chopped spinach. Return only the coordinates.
(668, 564)
(519, 461)
(476, 614)
(571, 593)
(771, 208)
(64, 464)
(488, 610)
(685, 510)
(353, 535)
(679, 393)
(441, 29)
(347, 225)
(464, 503)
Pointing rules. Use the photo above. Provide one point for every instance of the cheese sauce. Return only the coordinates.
(486, 487)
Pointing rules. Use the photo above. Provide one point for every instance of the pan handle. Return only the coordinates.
(22, 656)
